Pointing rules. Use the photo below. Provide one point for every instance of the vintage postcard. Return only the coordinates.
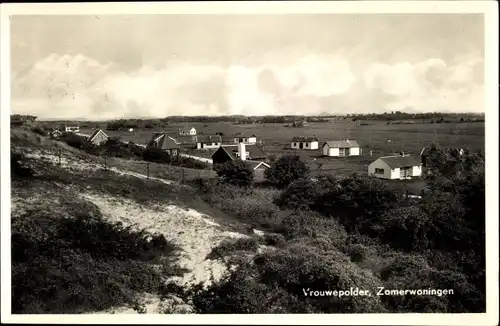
(250, 162)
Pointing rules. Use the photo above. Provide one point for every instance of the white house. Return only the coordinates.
(395, 167)
(341, 148)
(247, 139)
(304, 143)
(72, 128)
(208, 141)
(187, 132)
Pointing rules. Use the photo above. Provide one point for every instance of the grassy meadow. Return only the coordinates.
(377, 137)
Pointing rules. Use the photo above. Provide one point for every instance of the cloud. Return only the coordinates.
(430, 85)
(66, 86)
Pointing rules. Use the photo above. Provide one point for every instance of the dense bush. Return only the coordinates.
(303, 193)
(433, 243)
(278, 281)
(287, 169)
(358, 202)
(230, 246)
(17, 166)
(76, 262)
(237, 173)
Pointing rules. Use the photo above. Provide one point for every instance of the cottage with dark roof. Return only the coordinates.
(208, 141)
(395, 167)
(252, 154)
(247, 139)
(164, 142)
(301, 142)
(98, 137)
(187, 132)
(341, 148)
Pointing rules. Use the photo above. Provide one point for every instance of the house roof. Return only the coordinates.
(256, 164)
(304, 139)
(399, 161)
(228, 152)
(96, 132)
(255, 152)
(241, 135)
(342, 143)
(208, 138)
(164, 141)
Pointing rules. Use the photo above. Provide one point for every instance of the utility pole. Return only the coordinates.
(59, 156)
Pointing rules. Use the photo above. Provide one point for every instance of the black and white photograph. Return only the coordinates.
(282, 161)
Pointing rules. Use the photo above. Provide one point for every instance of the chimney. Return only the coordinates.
(242, 151)
(402, 153)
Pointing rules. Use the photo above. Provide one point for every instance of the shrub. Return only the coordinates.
(17, 166)
(236, 173)
(358, 202)
(287, 169)
(230, 246)
(274, 239)
(275, 283)
(77, 262)
(303, 193)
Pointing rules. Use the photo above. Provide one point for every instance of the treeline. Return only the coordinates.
(430, 116)
(352, 232)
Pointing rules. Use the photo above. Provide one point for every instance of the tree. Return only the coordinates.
(359, 202)
(236, 172)
(303, 193)
(287, 169)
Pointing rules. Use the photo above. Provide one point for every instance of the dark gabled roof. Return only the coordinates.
(226, 151)
(342, 143)
(255, 152)
(94, 134)
(399, 161)
(164, 141)
(209, 139)
(241, 135)
(304, 139)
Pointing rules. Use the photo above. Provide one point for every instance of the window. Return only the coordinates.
(379, 171)
(307, 145)
(294, 144)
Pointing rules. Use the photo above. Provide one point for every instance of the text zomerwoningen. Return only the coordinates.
(380, 291)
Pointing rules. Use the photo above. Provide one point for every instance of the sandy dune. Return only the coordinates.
(195, 233)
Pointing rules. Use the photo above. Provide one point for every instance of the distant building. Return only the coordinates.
(98, 137)
(56, 133)
(247, 139)
(395, 167)
(72, 128)
(164, 142)
(208, 141)
(304, 143)
(187, 132)
(341, 148)
(252, 154)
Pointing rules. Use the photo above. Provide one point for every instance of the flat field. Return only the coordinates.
(377, 137)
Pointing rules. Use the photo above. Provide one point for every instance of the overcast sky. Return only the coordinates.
(101, 67)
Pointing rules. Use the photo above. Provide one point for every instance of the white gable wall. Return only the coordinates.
(353, 151)
(310, 145)
(379, 164)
